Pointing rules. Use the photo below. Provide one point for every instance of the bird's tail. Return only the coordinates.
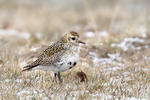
(29, 67)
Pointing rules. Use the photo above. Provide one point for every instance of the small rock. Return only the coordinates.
(82, 76)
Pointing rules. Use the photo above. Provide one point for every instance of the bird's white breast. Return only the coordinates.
(69, 59)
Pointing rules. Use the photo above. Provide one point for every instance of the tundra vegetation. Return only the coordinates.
(115, 60)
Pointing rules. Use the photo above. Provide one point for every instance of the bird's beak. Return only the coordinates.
(81, 42)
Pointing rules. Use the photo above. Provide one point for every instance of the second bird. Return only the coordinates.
(60, 56)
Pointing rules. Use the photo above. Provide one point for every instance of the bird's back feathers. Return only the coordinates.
(49, 56)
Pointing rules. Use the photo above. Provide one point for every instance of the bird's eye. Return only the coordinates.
(73, 38)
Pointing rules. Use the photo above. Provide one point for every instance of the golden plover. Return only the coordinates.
(60, 56)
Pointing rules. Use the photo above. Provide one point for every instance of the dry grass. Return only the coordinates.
(112, 72)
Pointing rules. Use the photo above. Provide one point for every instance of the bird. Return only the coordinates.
(61, 56)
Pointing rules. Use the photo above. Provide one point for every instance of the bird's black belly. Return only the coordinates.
(72, 64)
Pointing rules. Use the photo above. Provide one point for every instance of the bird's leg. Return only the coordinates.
(59, 77)
(55, 75)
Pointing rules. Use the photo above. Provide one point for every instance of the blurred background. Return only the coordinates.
(49, 18)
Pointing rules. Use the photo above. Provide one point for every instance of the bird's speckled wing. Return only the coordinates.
(51, 55)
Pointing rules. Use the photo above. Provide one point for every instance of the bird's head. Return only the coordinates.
(72, 37)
